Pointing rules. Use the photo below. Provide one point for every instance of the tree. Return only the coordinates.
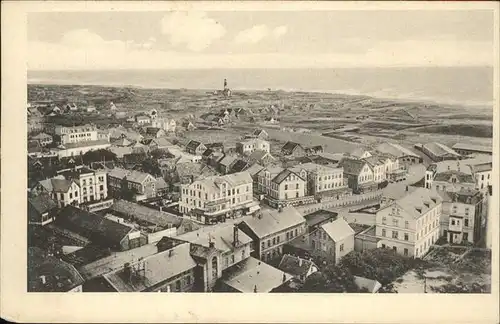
(316, 282)
(98, 156)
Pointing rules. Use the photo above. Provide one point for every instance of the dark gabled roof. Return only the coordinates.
(352, 166)
(289, 147)
(295, 265)
(208, 152)
(41, 204)
(257, 132)
(283, 175)
(319, 217)
(193, 145)
(93, 226)
(239, 165)
(59, 275)
(152, 130)
(462, 177)
(215, 145)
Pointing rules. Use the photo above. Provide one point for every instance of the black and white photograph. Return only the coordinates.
(260, 151)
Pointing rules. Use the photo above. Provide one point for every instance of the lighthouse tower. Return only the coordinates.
(226, 92)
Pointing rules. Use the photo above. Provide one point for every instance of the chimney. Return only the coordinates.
(127, 271)
(42, 278)
(235, 235)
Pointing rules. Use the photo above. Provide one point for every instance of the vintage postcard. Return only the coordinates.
(333, 162)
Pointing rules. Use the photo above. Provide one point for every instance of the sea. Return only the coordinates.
(465, 86)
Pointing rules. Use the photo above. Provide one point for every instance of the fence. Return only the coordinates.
(366, 199)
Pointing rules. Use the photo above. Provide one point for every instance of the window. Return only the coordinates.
(274, 241)
(188, 280)
(383, 246)
(76, 193)
(395, 249)
(384, 220)
(268, 243)
(383, 232)
(482, 177)
(248, 188)
(287, 236)
(178, 285)
(232, 258)
(297, 186)
(452, 222)
(467, 211)
(394, 234)
(101, 187)
(277, 239)
(295, 232)
(296, 195)
(341, 247)
(407, 224)
(286, 187)
(395, 222)
(466, 237)
(405, 252)
(70, 195)
(406, 237)
(466, 222)
(263, 245)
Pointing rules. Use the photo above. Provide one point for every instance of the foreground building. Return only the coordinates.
(213, 199)
(271, 229)
(410, 225)
(461, 220)
(141, 184)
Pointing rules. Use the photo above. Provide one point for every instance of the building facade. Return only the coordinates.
(77, 134)
(249, 146)
(410, 225)
(213, 199)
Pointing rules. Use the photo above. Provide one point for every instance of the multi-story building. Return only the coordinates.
(141, 183)
(167, 124)
(459, 175)
(64, 192)
(287, 185)
(359, 175)
(264, 177)
(271, 229)
(77, 134)
(92, 183)
(332, 240)
(322, 179)
(248, 146)
(461, 218)
(410, 225)
(196, 148)
(215, 198)
(378, 167)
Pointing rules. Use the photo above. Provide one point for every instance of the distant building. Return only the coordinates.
(359, 175)
(213, 199)
(403, 154)
(80, 148)
(142, 119)
(271, 229)
(467, 149)
(439, 152)
(293, 149)
(461, 219)
(410, 225)
(260, 133)
(41, 209)
(64, 192)
(169, 125)
(77, 134)
(323, 179)
(459, 175)
(43, 139)
(360, 153)
(195, 147)
(140, 183)
(251, 145)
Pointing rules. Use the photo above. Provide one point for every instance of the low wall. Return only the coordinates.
(366, 199)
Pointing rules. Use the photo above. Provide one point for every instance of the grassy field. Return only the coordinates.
(459, 129)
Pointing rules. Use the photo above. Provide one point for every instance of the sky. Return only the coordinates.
(260, 39)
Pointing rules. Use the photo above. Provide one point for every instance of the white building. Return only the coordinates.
(73, 149)
(92, 183)
(248, 146)
(77, 134)
(215, 198)
(410, 225)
